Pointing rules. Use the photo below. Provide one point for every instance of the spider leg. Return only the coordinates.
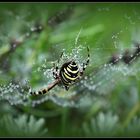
(55, 74)
(86, 63)
(55, 70)
(67, 88)
(45, 90)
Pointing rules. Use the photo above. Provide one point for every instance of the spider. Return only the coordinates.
(69, 73)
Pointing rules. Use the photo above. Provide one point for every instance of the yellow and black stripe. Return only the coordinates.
(69, 73)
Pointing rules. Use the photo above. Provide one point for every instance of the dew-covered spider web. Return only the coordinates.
(108, 67)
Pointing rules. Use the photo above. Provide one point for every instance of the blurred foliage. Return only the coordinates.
(33, 36)
(22, 126)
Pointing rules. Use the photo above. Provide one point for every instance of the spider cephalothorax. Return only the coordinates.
(69, 73)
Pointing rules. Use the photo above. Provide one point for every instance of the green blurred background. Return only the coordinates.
(110, 110)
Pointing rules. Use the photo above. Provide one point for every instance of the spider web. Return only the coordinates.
(94, 84)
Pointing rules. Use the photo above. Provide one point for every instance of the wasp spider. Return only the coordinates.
(69, 73)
